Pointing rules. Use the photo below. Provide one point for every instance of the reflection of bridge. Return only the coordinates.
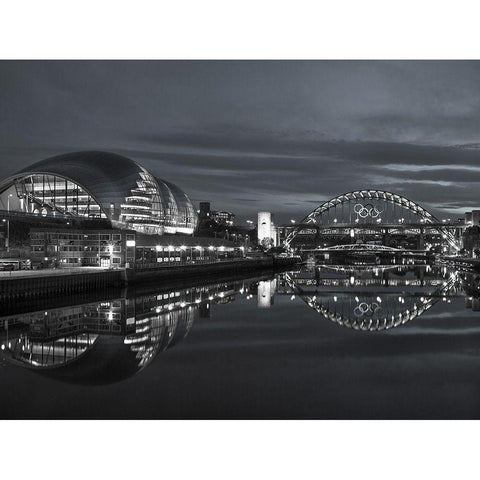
(369, 310)
(374, 213)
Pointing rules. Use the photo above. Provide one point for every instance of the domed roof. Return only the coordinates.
(182, 199)
(107, 176)
(109, 179)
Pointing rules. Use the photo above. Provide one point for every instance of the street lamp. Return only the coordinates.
(8, 222)
(110, 251)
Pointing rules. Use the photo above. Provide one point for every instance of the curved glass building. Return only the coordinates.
(99, 185)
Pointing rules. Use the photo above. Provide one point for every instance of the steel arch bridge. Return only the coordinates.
(371, 207)
(369, 313)
(366, 247)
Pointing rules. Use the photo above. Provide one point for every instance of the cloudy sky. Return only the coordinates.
(250, 136)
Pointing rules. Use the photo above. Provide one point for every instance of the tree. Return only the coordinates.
(266, 243)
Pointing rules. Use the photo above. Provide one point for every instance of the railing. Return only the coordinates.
(60, 216)
(53, 271)
(181, 263)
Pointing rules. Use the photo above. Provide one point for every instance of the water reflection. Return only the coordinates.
(371, 298)
(103, 342)
(108, 340)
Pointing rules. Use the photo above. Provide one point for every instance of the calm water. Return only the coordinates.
(324, 342)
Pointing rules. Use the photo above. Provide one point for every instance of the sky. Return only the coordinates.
(281, 136)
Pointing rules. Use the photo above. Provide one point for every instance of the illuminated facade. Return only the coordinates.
(223, 218)
(99, 185)
(67, 247)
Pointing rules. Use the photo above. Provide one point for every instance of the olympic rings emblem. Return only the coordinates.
(364, 309)
(364, 211)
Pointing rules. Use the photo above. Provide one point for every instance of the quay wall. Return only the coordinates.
(37, 284)
(187, 271)
(28, 287)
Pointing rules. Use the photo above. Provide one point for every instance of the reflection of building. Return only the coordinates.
(107, 341)
(473, 303)
(99, 185)
(204, 310)
(266, 293)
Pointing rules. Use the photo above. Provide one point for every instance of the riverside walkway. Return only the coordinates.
(50, 272)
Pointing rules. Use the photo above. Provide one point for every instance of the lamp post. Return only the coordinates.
(110, 251)
(8, 222)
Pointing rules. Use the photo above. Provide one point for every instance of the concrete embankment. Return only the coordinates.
(186, 271)
(32, 284)
(22, 287)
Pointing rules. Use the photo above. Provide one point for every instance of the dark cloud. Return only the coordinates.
(249, 136)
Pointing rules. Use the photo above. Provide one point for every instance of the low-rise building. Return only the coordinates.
(472, 218)
(110, 248)
(223, 217)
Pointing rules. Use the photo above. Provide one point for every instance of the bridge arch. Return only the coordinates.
(365, 210)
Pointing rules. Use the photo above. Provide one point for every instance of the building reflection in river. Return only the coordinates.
(107, 341)
(266, 293)
(110, 339)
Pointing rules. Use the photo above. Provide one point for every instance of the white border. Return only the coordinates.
(251, 29)
(99, 29)
(240, 450)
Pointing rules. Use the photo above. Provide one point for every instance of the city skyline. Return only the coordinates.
(253, 136)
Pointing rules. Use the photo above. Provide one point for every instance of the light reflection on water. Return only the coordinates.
(111, 340)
